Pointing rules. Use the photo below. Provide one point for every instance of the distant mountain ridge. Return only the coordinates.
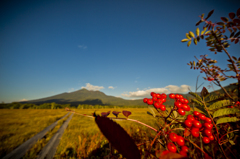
(84, 96)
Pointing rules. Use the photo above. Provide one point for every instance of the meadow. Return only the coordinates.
(81, 139)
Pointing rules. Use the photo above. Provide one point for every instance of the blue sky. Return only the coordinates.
(123, 48)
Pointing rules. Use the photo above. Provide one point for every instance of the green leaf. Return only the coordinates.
(197, 31)
(191, 34)
(219, 104)
(197, 102)
(231, 142)
(187, 36)
(184, 40)
(202, 32)
(227, 120)
(195, 41)
(196, 96)
(225, 111)
(189, 43)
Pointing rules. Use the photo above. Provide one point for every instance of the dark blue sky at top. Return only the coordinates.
(121, 48)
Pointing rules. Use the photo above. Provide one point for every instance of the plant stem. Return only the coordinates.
(142, 124)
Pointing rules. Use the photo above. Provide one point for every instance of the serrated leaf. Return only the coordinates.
(184, 40)
(227, 120)
(209, 14)
(195, 41)
(197, 102)
(196, 96)
(118, 137)
(191, 34)
(189, 43)
(197, 31)
(202, 32)
(187, 36)
(224, 19)
(219, 104)
(225, 111)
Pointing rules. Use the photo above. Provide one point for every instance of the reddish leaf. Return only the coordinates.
(237, 34)
(186, 132)
(209, 14)
(224, 19)
(236, 41)
(126, 113)
(238, 12)
(236, 21)
(231, 15)
(116, 113)
(171, 155)
(105, 114)
(220, 23)
(118, 137)
(206, 156)
(200, 21)
(234, 29)
(230, 30)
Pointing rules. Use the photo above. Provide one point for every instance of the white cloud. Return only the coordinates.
(111, 87)
(92, 87)
(23, 100)
(82, 46)
(167, 89)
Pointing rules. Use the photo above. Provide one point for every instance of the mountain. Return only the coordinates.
(85, 96)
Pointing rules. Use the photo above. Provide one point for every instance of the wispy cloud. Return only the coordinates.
(71, 90)
(167, 89)
(82, 46)
(92, 87)
(111, 87)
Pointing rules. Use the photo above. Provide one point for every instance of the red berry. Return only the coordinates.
(190, 117)
(154, 98)
(173, 137)
(208, 120)
(158, 95)
(206, 140)
(180, 96)
(202, 117)
(150, 102)
(153, 94)
(181, 112)
(160, 101)
(162, 107)
(178, 104)
(197, 124)
(164, 152)
(211, 137)
(207, 132)
(196, 113)
(185, 101)
(164, 95)
(180, 141)
(181, 100)
(157, 105)
(171, 147)
(208, 125)
(172, 96)
(164, 100)
(184, 148)
(177, 96)
(210, 78)
(195, 132)
(145, 100)
(186, 107)
(188, 123)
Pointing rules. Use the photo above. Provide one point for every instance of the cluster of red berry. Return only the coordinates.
(181, 104)
(180, 141)
(157, 100)
(195, 126)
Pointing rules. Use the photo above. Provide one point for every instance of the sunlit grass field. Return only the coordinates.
(18, 125)
(81, 139)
